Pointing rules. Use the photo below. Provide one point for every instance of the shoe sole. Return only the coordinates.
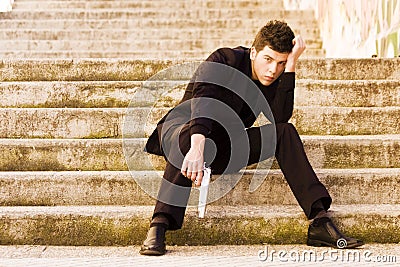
(319, 243)
(149, 252)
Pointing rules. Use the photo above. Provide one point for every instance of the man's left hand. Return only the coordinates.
(298, 49)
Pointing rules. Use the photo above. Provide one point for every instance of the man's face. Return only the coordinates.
(267, 65)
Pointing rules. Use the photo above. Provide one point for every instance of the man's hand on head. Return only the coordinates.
(298, 49)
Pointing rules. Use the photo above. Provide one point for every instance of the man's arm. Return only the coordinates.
(298, 49)
(201, 111)
(282, 106)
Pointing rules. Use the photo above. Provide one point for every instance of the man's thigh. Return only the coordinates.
(225, 152)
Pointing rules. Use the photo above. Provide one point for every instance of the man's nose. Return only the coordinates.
(273, 67)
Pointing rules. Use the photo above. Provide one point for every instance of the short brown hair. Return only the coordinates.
(277, 35)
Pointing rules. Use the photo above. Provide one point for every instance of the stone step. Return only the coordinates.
(346, 121)
(81, 94)
(226, 255)
(131, 44)
(351, 93)
(140, 34)
(137, 54)
(118, 225)
(140, 122)
(50, 188)
(64, 123)
(298, 25)
(107, 94)
(324, 152)
(82, 69)
(136, 70)
(140, 4)
(155, 13)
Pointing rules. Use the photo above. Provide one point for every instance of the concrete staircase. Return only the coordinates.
(139, 29)
(65, 181)
(65, 124)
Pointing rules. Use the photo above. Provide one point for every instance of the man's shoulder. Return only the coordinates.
(229, 56)
(238, 51)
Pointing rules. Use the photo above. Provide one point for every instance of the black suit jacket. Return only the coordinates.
(278, 95)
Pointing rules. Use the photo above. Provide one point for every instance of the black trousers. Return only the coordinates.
(289, 154)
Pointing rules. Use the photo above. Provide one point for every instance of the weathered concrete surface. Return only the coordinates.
(380, 151)
(346, 121)
(106, 94)
(62, 123)
(89, 94)
(346, 186)
(347, 93)
(139, 122)
(155, 13)
(213, 24)
(97, 17)
(131, 70)
(140, 4)
(239, 225)
(220, 255)
(138, 54)
(80, 69)
(138, 34)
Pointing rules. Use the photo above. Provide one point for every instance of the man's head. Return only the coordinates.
(277, 35)
(270, 50)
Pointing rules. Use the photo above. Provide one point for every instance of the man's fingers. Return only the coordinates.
(190, 170)
(196, 173)
(193, 170)
(301, 42)
(184, 167)
(298, 40)
(199, 178)
(193, 175)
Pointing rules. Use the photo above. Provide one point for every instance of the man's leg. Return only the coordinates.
(311, 194)
(175, 188)
(173, 194)
(307, 189)
(298, 172)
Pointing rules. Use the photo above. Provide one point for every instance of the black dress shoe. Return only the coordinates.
(154, 245)
(322, 232)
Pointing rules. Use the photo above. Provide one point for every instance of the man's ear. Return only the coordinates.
(253, 53)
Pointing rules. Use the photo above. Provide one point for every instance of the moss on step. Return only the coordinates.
(100, 231)
(80, 70)
(39, 164)
(76, 103)
(73, 231)
(101, 135)
(240, 231)
(56, 157)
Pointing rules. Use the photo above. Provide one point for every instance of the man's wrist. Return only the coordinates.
(290, 67)
(197, 140)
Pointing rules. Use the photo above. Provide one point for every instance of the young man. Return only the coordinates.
(269, 66)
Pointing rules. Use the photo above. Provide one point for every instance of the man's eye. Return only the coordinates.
(267, 59)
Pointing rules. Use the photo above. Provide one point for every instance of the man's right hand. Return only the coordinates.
(193, 163)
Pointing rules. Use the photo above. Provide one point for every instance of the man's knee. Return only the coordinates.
(286, 130)
(285, 126)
